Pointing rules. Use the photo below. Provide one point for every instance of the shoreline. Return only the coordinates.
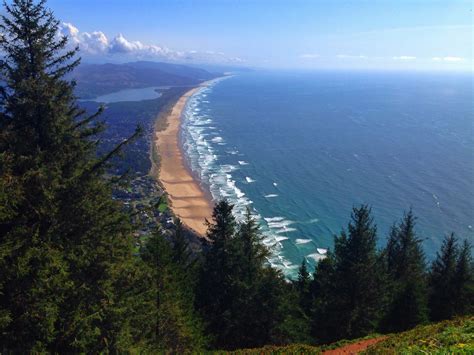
(188, 200)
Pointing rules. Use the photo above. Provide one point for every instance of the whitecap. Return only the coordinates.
(303, 241)
(274, 219)
(316, 256)
(286, 230)
(322, 251)
(275, 184)
(271, 195)
(200, 145)
(217, 139)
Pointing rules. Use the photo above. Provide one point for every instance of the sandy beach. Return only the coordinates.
(188, 200)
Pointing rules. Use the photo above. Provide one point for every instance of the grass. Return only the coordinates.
(271, 349)
(447, 337)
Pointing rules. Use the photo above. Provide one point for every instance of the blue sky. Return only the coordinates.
(377, 34)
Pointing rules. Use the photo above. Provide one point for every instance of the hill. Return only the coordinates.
(98, 79)
(447, 337)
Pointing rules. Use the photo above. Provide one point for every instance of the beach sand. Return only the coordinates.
(188, 200)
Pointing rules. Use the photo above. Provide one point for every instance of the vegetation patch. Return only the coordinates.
(448, 337)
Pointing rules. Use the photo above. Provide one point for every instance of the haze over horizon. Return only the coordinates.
(412, 35)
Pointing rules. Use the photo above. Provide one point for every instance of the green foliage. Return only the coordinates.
(407, 275)
(348, 285)
(243, 301)
(303, 287)
(165, 319)
(448, 337)
(65, 247)
(272, 349)
(450, 280)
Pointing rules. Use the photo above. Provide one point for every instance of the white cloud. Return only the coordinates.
(447, 59)
(404, 57)
(309, 56)
(347, 56)
(97, 43)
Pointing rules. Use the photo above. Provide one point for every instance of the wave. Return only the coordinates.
(316, 256)
(303, 241)
(217, 140)
(202, 152)
(274, 219)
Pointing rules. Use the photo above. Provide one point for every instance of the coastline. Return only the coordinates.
(188, 200)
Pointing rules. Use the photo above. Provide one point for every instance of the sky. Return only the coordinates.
(306, 34)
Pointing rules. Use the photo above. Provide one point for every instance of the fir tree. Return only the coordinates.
(216, 286)
(181, 253)
(65, 245)
(349, 304)
(243, 300)
(464, 281)
(303, 287)
(166, 320)
(406, 268)
(441, 279)
(324, 327)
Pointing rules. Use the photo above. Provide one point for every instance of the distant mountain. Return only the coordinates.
(99, 79)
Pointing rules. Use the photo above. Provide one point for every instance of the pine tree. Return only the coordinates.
(441, 279)
(324, 326)
(406, 268)
(243, 300)
(166, 320)
(464, 281)
(303, 287)
(65, 247)
(216, 286)
(181, 253)
(350, 303)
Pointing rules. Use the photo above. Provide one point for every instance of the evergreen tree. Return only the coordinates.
(216, 286)
(243, 300)
(406, 268)
(181, 253)
(65, 245)
(349, 304)
(441, 279)
(324, 327)
(303, 286)
(165, 317)
(464, 281)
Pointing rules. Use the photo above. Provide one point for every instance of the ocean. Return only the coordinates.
(301, 149)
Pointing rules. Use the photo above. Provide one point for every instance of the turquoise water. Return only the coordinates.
(142, 94)
(301, 149)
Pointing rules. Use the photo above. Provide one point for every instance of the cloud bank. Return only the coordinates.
(447, 59)
(98, 44)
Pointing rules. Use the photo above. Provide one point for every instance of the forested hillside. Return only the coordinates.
(98, 79)
(71, 281)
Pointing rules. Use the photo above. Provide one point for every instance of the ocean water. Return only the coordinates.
(301, 149)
